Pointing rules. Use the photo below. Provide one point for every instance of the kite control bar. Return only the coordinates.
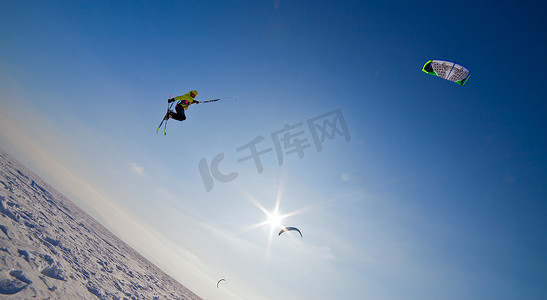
(207, 101)
(213, 100)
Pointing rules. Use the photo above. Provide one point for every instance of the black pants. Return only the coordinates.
(179, 116)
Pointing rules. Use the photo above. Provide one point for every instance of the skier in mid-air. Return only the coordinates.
(184, 101)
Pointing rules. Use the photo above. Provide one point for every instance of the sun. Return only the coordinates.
(274, 219)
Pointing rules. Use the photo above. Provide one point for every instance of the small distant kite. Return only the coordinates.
(448, 70)
(220, 281)
(290, 229)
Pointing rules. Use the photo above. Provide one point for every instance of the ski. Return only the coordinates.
(159, 126)
(165, 118)
(161, 123)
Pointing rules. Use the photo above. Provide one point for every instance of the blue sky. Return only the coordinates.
(436, 192)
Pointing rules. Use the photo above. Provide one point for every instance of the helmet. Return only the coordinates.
(193, 93)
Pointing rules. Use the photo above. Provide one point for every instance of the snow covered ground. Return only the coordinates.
(49, 248)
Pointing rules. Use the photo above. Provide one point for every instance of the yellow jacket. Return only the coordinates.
(185, 100)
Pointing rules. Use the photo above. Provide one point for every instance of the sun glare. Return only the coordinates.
(274, 220)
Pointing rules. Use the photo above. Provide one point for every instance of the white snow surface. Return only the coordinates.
(51, 249)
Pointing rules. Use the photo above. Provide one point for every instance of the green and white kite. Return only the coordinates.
(448, 70)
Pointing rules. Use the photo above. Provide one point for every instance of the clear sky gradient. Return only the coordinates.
(434, 191)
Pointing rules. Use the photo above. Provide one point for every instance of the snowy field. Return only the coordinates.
(51, 249)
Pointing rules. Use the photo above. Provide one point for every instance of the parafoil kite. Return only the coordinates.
(290, 229)
(448, 70)
(220, 281)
